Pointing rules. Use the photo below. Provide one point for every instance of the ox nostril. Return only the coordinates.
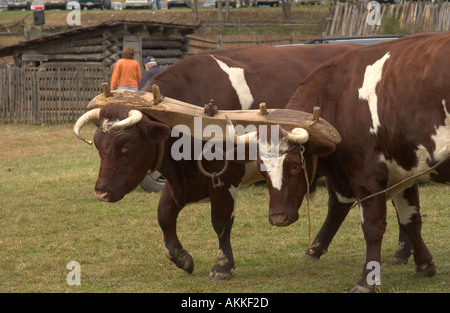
(101, 195)
(280, 219)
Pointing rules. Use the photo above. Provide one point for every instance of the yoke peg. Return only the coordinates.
(106, 90)
(263, 109)
(156, 93)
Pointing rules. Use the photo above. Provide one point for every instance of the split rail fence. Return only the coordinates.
(48, 95)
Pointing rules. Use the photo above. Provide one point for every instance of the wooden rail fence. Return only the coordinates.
(350, 19)
(48, 94)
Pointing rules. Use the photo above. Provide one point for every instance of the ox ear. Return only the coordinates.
(155, 131)
(320, 146)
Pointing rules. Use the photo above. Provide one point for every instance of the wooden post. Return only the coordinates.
(156, 93)
(263, 108)
(106, 90)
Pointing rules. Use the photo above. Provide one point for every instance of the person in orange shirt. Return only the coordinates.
(127, 72)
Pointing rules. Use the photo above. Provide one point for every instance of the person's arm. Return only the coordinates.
(115, 76)
(138, 74)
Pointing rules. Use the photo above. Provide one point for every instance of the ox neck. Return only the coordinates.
(156, 166)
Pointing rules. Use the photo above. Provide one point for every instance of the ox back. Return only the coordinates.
(391, 104)
(242, 78)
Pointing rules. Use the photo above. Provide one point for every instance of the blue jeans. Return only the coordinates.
(126, 88)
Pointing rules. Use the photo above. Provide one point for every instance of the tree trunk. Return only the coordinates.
(286, 6)
(193, 4)
(220, 11)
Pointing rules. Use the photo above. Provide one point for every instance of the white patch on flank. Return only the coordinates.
(398, 173)
(361, 212)
(343, 199)
(233, 192)
(404, 210)
(237, 79)
(442, 137)
(372, 77)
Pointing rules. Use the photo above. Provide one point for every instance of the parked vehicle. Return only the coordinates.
(232, 3)
(101, 4)
(145, 4)
(270, 3)
(37, 5)
(176, 3)
(3, 5)
(19, 4)
(55, 4)
(116, 6)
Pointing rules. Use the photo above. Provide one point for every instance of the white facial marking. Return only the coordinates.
(276, 175)
(275, 171)
(442, 137)
(404, 210)
(237, 79)
(367, 92)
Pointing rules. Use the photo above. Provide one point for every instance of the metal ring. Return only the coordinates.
(207, 174)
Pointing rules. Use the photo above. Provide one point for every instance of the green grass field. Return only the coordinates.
(49, 217)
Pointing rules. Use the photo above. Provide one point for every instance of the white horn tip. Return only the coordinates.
(300, 134)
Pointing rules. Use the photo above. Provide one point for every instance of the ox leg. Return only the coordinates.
(410, 221)
(222, 218)
(405, 246)
(337, 212)
(168, 212)
(373, 219)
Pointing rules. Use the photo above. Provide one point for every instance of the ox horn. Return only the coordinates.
(297, 135)
(134, 117)
(246, 138)
(91, 115)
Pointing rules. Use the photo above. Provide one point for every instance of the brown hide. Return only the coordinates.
(272, 74)
(411, 134)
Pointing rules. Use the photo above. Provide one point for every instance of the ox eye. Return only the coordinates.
(125, 148)
(295, 168)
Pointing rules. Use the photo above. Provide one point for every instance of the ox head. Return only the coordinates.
(129, 144)
(285, 156)
(291, 173)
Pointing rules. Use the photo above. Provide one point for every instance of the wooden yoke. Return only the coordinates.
(173, 112)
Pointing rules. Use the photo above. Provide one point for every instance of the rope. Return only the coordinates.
(399, 183)
(302, 159)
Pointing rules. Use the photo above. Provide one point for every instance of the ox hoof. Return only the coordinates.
(362, 289)
(426, 270)
(219, 276)
(182, 259)
(399, 261)
(311, 254)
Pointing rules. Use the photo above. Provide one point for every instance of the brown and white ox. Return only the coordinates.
(129, 142)
(390, 103)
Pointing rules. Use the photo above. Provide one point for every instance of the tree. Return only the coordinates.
(220, 10)
(193, 4)
(286, 5)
